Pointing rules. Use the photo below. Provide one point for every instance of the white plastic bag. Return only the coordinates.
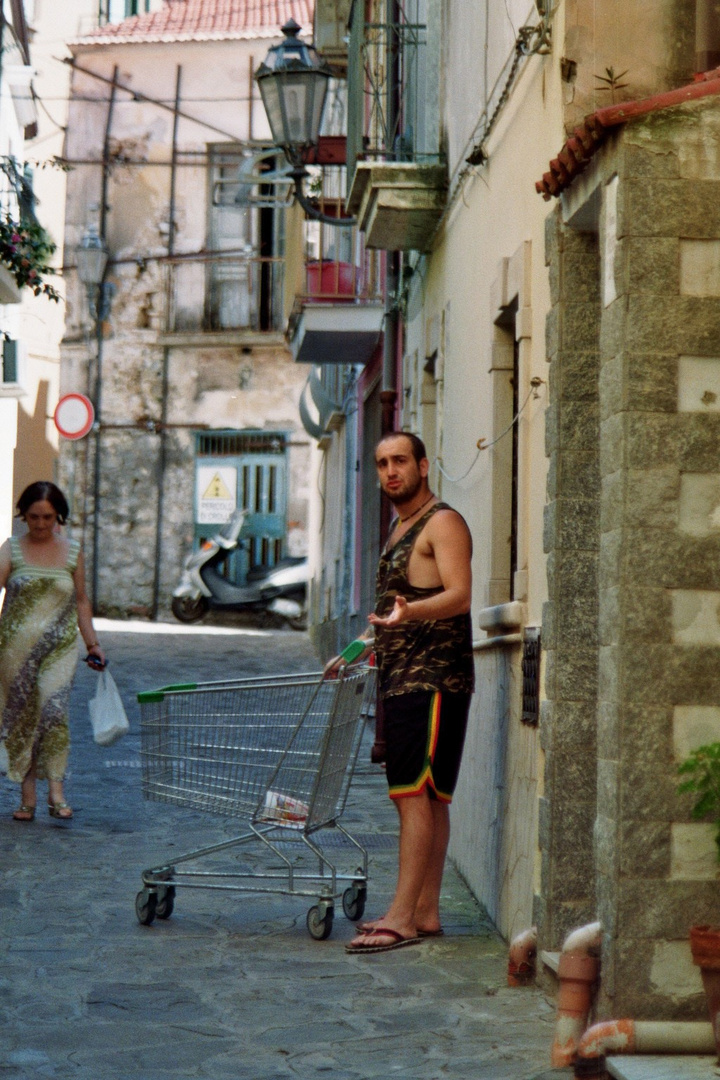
(107, 714)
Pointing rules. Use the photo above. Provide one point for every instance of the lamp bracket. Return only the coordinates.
(239, 192)
(299, 173)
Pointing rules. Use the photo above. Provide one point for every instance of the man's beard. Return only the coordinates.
(407, 494)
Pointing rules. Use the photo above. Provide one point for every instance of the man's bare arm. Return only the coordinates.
(451, 545)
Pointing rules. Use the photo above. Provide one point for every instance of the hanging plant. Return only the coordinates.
(26, 249)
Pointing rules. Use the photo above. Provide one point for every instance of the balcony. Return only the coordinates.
(398, 204)
(396, 174)
(237, 291)
(337, 318)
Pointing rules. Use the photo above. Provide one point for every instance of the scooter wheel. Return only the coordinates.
(298, 622)
(189, 608)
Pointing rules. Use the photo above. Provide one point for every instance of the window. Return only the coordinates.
(112, 11)
(504, 462)
(10, 361)
(707, 35)
(244, 290)
(239, 284)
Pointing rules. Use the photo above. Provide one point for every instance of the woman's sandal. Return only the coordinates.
(60, 810)
(24, 813)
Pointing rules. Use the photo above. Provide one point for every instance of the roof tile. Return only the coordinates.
(590, 135)
(189, 20)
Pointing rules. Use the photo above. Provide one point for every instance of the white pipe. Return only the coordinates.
(521, 958)
(584, 938)
(640, 1037)
(578, 973)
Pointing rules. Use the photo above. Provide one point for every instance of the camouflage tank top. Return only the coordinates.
(432, 654)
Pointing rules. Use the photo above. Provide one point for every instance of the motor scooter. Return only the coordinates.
(279, 590)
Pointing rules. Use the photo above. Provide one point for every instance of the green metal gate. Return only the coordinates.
(245, 469)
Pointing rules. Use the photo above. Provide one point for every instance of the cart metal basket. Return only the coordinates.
(277, 752)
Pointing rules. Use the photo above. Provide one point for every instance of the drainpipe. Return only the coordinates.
(391, 328)
(640, 1037)
(351, 450)
(521, 958)
(578, 972)
(164, 376)
(388, 394)
(103, 313)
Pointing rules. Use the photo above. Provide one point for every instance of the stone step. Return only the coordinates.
(551, 961)
(663, 1067)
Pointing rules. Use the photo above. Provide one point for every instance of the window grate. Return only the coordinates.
(227, 444)
(531, 677)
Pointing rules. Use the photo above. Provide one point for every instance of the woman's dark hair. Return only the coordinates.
(44, 491)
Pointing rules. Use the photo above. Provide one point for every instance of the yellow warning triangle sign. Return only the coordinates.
(217, 489)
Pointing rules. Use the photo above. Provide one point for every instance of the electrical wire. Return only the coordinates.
(39, 101)
(482, 445)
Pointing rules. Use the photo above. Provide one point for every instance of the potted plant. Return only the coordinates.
(26, 249)
(702, 769)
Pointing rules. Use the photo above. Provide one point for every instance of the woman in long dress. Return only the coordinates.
(45, 603)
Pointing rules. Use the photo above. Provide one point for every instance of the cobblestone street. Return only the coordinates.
(231, 987)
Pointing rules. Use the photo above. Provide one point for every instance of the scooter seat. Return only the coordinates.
(255, 573)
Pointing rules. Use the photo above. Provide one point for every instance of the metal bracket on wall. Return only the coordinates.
(538, 38)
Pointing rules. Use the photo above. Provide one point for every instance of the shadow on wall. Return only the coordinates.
(35, 456)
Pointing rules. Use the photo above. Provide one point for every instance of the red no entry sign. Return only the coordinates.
(74, 416)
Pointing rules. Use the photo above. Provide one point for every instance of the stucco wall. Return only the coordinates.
(489, 257)
(234, 379)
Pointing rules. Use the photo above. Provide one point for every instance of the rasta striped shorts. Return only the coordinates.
(424, 735)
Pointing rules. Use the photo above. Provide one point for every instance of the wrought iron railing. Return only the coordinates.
(392, 84)
(354, 278)
(232, 291)
(339, 269)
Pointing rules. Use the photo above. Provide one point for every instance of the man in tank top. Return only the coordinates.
(423, 644)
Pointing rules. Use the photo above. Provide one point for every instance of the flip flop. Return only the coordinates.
(369, 928)
(398, 943)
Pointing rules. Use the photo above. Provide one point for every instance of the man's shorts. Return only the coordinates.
(424, 736)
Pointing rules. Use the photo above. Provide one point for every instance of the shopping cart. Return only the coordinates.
(278, 752)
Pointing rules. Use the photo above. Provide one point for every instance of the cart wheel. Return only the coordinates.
(353, 902)
(165, 901)
(318, 927)
(145, 906)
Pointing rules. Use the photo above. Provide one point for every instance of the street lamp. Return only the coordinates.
(92, 258)
(293, 80)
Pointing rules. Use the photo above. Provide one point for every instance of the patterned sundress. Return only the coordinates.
(38, 656)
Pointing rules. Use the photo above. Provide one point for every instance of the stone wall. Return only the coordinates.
(233, 382)
(660, 556)
(640, 589)
(570, 617)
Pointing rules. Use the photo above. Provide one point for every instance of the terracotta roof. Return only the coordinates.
(589, 137)
(205, 20)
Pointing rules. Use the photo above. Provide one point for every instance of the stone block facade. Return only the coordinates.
(651, 624)
(570, 617)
